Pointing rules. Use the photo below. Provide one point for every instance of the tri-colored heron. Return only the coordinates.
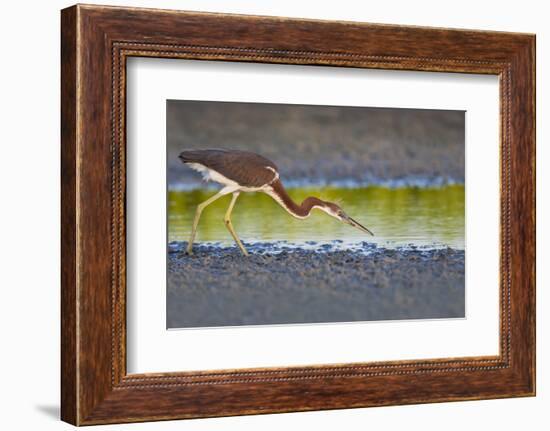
(243, 171)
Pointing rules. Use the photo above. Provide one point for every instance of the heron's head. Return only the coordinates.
(338, 213)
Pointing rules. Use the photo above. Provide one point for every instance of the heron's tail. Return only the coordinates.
(204, 157)
(190, 156)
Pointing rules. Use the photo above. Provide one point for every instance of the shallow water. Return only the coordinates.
(397, 216)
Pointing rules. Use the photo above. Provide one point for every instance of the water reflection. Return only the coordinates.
(397, 216)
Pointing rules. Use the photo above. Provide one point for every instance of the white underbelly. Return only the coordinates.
(212, 175)
(254, 189)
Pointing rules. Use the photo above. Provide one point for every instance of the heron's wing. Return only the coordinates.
(245, 168)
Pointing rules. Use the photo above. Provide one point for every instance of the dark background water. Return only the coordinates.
(317, 145)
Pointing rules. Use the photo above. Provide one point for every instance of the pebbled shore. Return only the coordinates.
(280, 284)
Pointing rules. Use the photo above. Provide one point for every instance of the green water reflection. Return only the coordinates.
(397, 216)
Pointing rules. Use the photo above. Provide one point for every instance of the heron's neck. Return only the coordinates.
(302, 210)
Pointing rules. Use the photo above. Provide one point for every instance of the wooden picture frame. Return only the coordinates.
(95, 43)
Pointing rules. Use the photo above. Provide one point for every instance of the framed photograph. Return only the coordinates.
(264, 214)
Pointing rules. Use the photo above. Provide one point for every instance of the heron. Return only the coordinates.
(243, 171)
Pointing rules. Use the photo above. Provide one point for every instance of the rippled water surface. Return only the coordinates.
(397, 216)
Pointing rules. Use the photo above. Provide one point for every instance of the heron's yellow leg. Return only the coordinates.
(198, 213)
(227, 220)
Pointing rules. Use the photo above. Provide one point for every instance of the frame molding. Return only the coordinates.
(95, 42)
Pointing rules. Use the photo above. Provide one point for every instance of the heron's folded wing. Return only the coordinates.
(246, 169)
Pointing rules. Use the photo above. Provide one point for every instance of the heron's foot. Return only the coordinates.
(189, 250)
(243, 249)
(237, 240)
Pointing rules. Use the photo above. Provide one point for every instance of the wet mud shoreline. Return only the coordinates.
(283, 284)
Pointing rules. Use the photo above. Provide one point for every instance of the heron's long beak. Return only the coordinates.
(356, 224)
